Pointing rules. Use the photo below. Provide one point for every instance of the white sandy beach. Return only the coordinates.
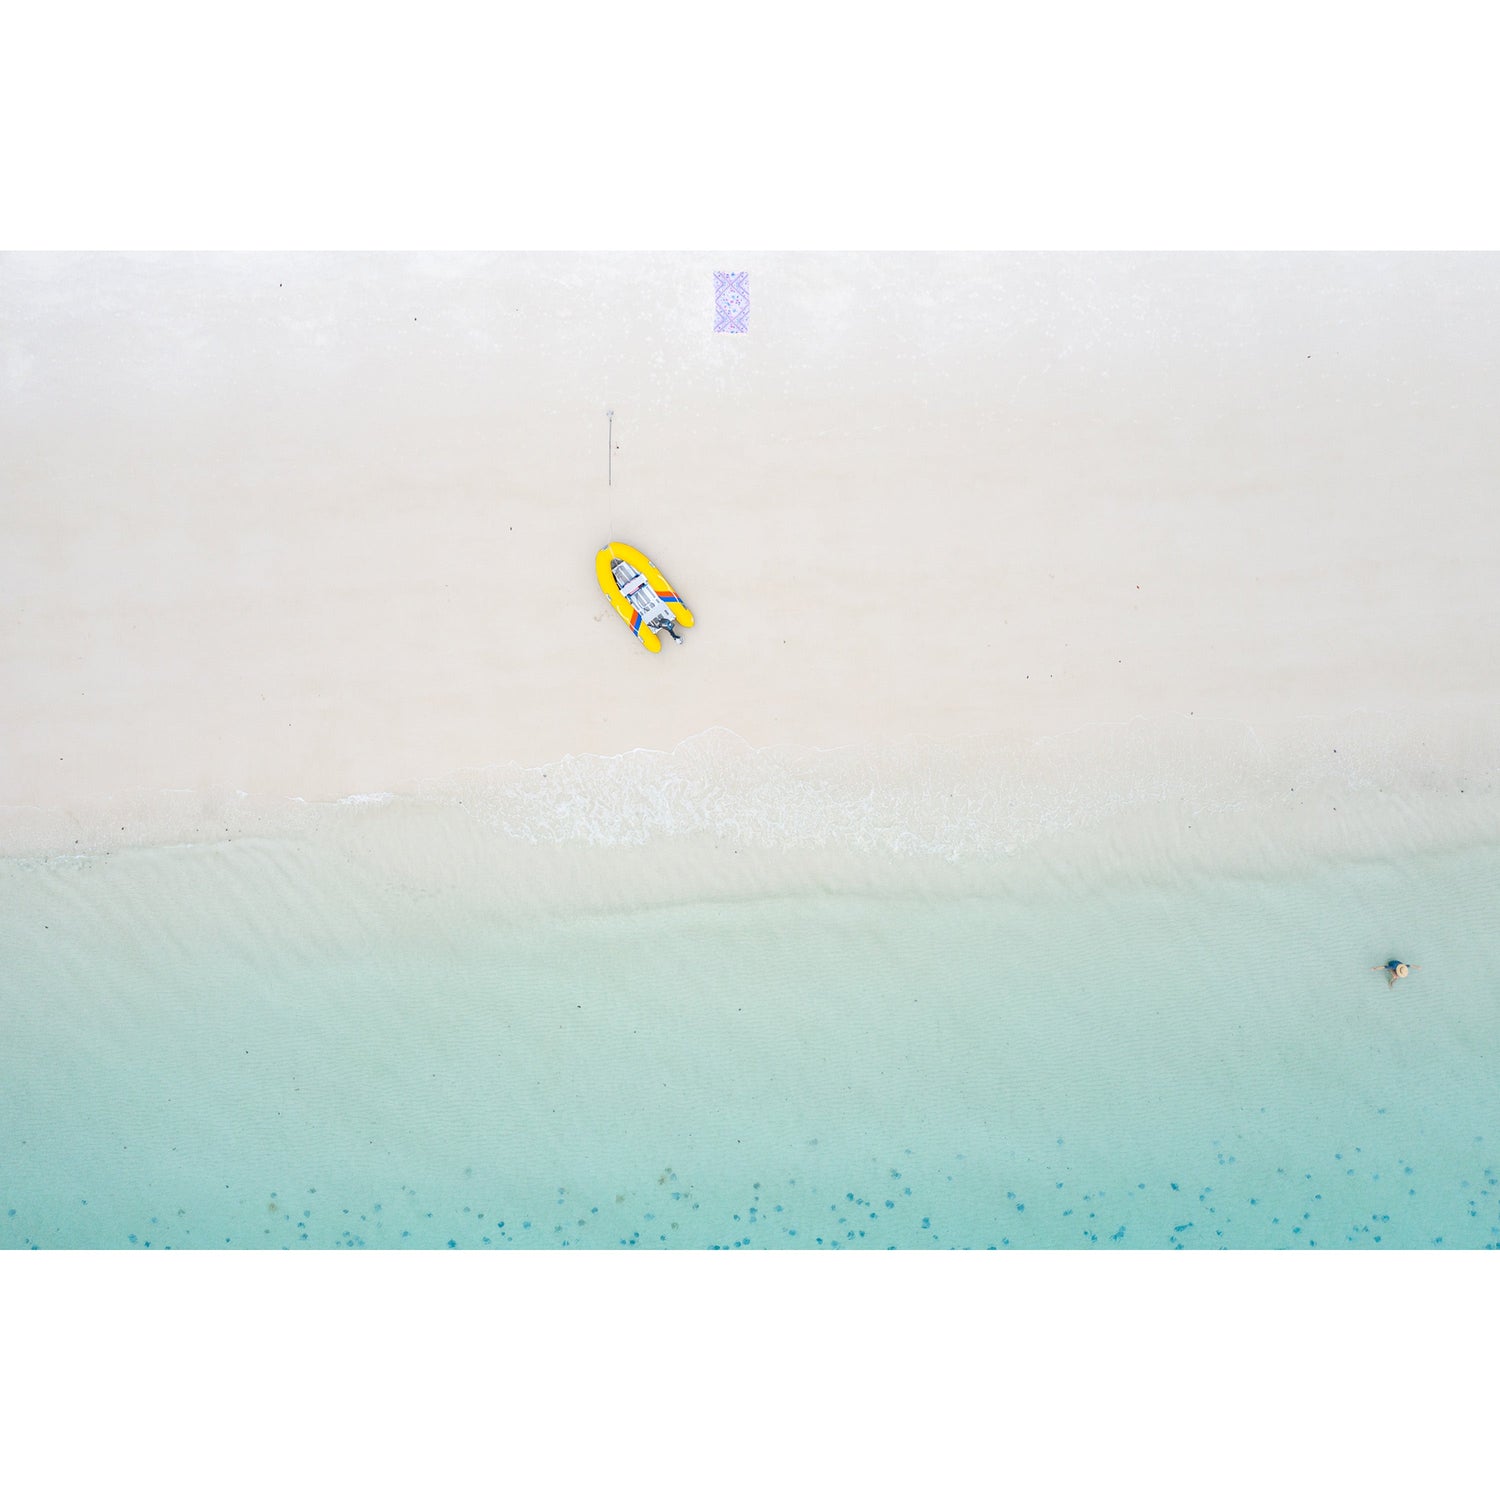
(312, 526)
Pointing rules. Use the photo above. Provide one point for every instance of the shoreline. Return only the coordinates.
(715, 818)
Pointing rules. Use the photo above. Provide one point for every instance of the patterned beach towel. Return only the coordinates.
(731, 302)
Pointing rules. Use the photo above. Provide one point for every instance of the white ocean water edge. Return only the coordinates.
(953, 800)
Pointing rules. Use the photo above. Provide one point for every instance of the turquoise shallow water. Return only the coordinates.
(285, 1042)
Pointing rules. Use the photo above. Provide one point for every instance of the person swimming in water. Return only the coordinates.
(1393, 971)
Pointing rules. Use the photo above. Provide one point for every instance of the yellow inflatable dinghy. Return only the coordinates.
(640, 595)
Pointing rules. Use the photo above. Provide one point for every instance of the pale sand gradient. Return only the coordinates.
(315, 525)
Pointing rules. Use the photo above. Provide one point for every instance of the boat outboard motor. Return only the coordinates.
(654, 614)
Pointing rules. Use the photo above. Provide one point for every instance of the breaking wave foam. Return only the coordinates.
(974, 797)
(954, 799)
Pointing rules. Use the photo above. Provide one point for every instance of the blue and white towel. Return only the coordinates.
(731, 302)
